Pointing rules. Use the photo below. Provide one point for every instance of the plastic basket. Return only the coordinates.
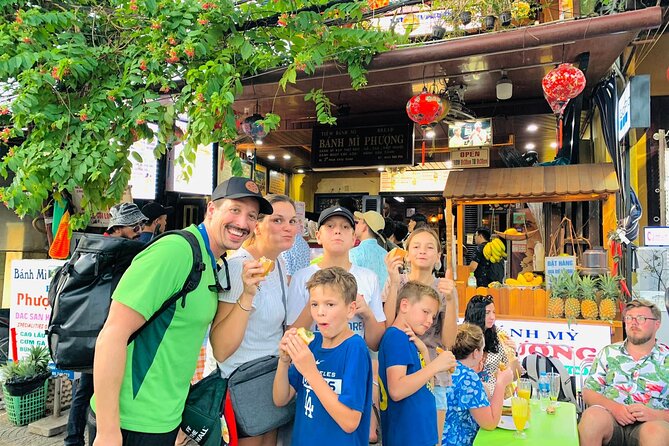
(22, 410)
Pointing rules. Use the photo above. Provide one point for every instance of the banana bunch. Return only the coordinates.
(494, 251)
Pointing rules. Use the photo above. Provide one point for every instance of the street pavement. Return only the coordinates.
(11, 435)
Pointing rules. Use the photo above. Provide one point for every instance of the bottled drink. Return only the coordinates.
(544, 390)
(471, 282)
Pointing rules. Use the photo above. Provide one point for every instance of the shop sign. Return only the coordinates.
(260, 177)
(277, 182)
(29, 304)
(555, 265)
(414, 181)
(196, 177)
(477, 157)
(633, 109)
(656, 236)
(362, 147)
(143, 175)
(570, 343)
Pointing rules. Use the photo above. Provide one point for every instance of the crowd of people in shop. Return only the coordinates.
(388, 361)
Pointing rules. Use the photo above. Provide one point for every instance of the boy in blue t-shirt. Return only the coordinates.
(408, 407)
(332, 376)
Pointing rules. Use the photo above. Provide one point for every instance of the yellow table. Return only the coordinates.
(559, 429)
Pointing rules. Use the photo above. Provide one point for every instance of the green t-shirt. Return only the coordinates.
(161, 361)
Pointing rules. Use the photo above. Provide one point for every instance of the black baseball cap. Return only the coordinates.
(235, 188)
(153, 210)
(336, 211)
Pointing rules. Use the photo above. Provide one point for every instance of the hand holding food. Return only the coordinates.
(267, 265)
(445, 361)
(398, 252)
(306, 335)
(439, 352)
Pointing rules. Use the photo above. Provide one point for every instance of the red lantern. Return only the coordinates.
(564, 82)
(425, 108)
(557, 106)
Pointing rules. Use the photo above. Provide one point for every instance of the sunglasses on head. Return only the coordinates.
(217, 286)
(481, 298)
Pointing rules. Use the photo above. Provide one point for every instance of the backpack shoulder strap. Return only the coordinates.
(191, 283)
(565, 379)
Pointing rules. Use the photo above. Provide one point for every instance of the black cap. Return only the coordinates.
(235, 188)
(153, 210)
(336, 211)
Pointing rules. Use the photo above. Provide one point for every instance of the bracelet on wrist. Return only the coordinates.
(242, 307)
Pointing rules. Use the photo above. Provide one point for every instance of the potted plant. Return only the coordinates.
(505, 12)
(520, 12)
(464, 10)
(24, 388)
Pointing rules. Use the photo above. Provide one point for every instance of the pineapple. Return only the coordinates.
(572, 305)
(556, 297)
(588, 288)
(610, 295)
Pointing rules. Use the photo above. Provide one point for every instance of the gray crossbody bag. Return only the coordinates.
(250, 388)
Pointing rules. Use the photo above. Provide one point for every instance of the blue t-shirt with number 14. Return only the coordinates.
(347, 368)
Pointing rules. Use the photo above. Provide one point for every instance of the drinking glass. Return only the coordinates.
(554, 380)
(524, 388)
(520, 411)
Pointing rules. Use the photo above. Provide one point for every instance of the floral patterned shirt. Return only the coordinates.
(617, 376)
(465, 394)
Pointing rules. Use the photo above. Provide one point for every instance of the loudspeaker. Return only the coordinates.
(372, 203)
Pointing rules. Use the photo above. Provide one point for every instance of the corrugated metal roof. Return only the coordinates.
(542, 183)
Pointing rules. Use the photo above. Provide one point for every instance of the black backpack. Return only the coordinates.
(80, 294)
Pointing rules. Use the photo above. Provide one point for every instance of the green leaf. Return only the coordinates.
(246, 50)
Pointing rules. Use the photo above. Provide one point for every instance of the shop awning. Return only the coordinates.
(577, 182)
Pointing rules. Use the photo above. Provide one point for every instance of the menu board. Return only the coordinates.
(414, 181)
(260, 177)
(362, 147)
(277, 182)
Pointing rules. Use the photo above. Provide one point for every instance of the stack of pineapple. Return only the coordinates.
(573, 296)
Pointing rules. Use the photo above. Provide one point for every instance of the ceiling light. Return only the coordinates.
(271, 157)
(429, 133)
(532, 128)
(300, 170)
(530, 146)
(504, 88)
(381, 168)
(249, 153)
(553, 145)
(258, 142)
(399, 199)
(286, 157)
(449, 164)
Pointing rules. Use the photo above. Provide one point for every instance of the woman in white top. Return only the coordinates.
(259, 301)
(423, 259)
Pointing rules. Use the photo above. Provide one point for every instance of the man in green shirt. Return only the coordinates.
(627, 390)
(141, 388)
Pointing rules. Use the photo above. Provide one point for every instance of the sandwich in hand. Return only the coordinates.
(306, 335)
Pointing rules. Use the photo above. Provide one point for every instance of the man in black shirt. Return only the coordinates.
(482, 268)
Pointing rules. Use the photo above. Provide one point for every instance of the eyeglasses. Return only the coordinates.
(638, 319)
(482, 298)
(137, 228)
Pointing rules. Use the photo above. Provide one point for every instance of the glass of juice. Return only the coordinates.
(554, 381)
(524, 388)
(520, 411)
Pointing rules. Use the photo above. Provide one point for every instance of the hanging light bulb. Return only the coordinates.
(504, 87)
(430, 133)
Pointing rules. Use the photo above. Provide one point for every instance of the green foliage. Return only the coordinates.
(90, 75)
(36, 363)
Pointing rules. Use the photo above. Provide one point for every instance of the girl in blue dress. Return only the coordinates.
(468, 405)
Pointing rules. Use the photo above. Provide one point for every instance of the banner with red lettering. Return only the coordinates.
(572, 343)
(30, 310)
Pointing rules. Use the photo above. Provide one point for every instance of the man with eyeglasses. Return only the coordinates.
(141, 387)
(628, 386)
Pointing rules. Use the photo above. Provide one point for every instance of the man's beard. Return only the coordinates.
(640, 340)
